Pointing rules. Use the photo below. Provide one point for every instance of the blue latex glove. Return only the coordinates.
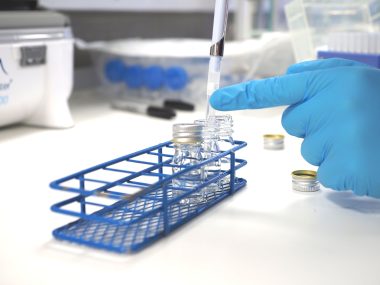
(334, 107)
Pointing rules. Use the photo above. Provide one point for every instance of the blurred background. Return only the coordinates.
(153, 52)
(149, 19)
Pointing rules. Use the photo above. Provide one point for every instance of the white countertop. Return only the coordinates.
(266, 234)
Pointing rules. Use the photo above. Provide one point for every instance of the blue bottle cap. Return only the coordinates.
(154, 77)
(114, 70)
(133, 76)
(176, 78)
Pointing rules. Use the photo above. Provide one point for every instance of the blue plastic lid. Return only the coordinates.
(114, 70)
(133, 76)
(154, 77)
(176, 78)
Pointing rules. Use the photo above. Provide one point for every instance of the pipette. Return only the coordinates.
(216, 51)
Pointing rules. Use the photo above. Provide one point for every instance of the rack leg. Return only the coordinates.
(160, 170)
(164, 195)
(165, 209)
(232, 176)
(82, 200)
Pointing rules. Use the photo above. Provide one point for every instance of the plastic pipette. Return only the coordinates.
(216, 50)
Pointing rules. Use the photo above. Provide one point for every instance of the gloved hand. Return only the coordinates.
(334, 107)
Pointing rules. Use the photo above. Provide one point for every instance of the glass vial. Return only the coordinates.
(226, 142)
(187, 139)
(217, 138)
(210, 149)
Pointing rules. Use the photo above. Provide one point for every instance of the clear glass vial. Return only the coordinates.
(210, 149)
(217, 138)
(225, 142)
(187, 139)
(225, 123)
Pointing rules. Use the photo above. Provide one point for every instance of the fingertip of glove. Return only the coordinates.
(215, 100)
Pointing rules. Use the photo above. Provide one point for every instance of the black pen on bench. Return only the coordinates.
(143, 108)
(174, 104)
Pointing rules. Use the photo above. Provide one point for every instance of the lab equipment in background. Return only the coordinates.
(274, 141)
(119, 74)
(185, 65)
(252, 17)
(153, 77)
(12, 5)
(362, 47)
(187, 139)
(216, 51)
(36, 69)
(124, 205)
(244, 19)
(310, 22)
(305, 181)
(169, 69)
(269, 15)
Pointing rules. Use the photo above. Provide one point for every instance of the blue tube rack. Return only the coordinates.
(125, 204)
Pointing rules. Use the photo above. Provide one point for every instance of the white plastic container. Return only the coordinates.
(36, 69)
(311, 21)
(177, 68)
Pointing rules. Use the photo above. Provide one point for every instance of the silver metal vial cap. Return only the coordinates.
(305, 181)
(187, 133)
(274, 141)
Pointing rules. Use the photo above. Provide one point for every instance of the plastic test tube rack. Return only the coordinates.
(126, 204)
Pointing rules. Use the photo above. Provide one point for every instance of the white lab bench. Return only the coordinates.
(266, 234)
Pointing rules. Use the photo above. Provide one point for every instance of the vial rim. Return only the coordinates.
(274, 136)
(304, 174)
